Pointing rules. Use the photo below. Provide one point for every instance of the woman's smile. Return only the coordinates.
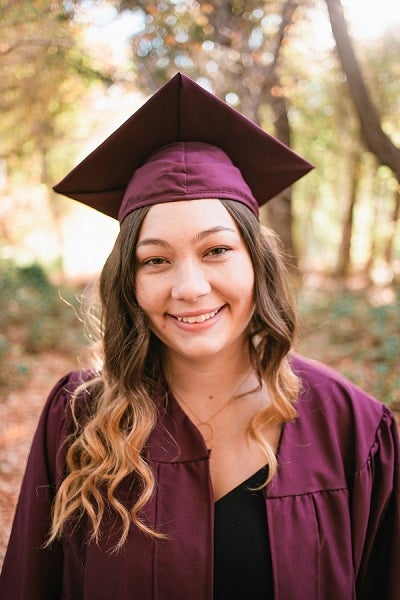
(197, 318)
(198, 322)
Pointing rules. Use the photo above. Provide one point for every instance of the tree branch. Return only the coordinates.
(373, 135)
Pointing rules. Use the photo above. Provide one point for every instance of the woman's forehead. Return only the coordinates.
(187, 215)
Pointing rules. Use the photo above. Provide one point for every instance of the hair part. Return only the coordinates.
(109, 446)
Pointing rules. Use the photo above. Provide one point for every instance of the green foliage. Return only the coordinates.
(35, 318)
(231, 46)
(45, 72)
(358, 338)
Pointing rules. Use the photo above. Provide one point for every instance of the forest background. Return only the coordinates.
(321, 75)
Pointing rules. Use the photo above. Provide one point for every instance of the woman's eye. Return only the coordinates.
(218, 251)
(154, 261)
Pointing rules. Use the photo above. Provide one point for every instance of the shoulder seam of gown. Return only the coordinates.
(386, 418)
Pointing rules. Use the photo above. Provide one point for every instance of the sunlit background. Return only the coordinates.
(82, 238)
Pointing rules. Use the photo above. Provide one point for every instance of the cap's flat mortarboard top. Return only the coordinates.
(182, 111)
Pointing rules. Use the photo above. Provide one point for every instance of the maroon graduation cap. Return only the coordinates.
(183, 143)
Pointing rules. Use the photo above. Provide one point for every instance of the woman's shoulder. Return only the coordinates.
(338, 424)
(67, 385)
(320, 382)
(333, 405)
(57, 422)
(58, 406)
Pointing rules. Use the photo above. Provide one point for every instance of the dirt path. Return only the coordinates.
(19, 413)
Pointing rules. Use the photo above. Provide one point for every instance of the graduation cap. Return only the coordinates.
(184, 143)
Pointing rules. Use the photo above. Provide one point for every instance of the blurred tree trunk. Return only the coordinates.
(373, 135)
(390, 244)
(374, 248)
(57, 215)
(344, 258)
(280, 214)
(279, 211)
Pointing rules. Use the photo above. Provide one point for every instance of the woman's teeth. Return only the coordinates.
(199, 318)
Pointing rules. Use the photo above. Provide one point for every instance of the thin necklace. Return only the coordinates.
(205, 427)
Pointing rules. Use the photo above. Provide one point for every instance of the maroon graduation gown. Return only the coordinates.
(332, 508)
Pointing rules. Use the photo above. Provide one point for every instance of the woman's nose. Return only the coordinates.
(190, 282)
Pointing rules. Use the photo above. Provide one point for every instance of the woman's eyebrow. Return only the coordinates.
(153, 242)
(211, 230)
(199, 236)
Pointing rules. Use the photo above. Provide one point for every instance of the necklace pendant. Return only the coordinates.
(206, 431)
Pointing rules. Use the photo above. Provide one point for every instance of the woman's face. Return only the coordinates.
(195, 278)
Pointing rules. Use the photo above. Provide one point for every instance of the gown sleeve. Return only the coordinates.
(31, 572)
(376, 516)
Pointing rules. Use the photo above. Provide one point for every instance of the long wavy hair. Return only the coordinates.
(110, 445)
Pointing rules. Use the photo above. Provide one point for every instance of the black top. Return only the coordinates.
(242, 560)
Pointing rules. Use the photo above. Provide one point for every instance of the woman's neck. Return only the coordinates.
(212, 380)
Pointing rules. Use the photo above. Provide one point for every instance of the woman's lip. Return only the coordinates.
(196, 313)
(199, 325)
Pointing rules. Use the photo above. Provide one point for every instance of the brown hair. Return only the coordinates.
(109, 446)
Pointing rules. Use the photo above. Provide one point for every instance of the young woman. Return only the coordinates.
(204, 459)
